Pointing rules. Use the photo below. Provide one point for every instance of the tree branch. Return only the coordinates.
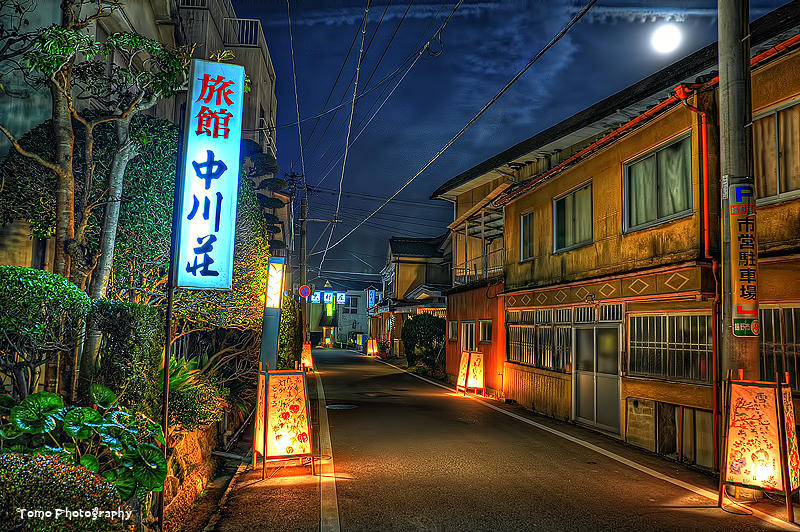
(25, 153)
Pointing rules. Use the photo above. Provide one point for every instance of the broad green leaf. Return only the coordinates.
(102, 396)
(151, 469)
(37, 413)
(81, 422)
(125, 483)
(89, 461)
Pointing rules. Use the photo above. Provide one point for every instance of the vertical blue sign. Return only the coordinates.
(210, 177)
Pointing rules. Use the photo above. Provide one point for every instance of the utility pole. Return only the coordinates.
(740, 327)
(304, 259)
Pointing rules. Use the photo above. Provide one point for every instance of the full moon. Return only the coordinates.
(666, 38)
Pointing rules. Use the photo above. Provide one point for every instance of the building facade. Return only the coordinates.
(612, 256)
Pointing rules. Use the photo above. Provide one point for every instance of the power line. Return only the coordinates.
(418, 56)
(480, 113)
(349, 125)
(296, 99)
(371, 197)
(374, 70)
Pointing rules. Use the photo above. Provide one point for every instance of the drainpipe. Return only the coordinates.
(683, 92)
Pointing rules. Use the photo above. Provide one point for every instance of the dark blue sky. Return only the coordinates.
(482, 47)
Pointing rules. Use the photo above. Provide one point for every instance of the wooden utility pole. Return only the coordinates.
(740, 327)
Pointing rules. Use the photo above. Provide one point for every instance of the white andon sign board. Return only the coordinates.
(210, 177)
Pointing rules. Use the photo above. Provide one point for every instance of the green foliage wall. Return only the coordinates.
(423, 337)
(132, 352)
(290, 338)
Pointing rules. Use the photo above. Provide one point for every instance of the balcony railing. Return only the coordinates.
(246, 32)
(483, 267)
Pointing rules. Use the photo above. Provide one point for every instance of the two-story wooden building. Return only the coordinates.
(417, 271)
(611, 233)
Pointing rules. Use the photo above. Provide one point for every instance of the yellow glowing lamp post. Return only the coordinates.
(273, 297)
(760, 446)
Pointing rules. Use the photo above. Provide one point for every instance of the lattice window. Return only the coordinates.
(676, 346)
(611, 312)
(780, 342)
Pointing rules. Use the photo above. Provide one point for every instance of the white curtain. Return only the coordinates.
(789, 125)
(582, 231)
(764, 166)
(674, 163)
(642, 192)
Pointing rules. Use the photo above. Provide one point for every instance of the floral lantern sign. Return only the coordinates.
(306, 359)
(288, 423)
(470, 371)
(463, 369)
(760, 446)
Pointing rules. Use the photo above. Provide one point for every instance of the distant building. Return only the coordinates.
(417, 271)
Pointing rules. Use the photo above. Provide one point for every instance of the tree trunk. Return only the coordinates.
(108, 235)
(65, 187)
(21, 382)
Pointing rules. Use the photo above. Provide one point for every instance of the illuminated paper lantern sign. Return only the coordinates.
(760, 448)
(258, 427)
(209, 179)
(288, 427)
(306, 359)
(372, 346)
(475, 373)
(463, 369)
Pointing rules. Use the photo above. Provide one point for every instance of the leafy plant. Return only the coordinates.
(132, 352)
(40, 314)
(423, 337)
(106, 439)
(39, 481)
(192, 407)
(290, 335)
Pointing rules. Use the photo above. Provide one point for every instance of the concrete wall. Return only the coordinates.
(543, 391)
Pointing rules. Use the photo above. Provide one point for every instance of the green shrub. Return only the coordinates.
(290, 337)
(423, 339)
(45, 482)
(132, 352)
(191, 407)
(40, 315)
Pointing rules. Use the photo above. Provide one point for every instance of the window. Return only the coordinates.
(467, 335)
(452, 331)
(658, 186)
(526, 236)
(776, 161)
(485, 331)
(538, 344)
(351, 305)
(671, 346)
(572, 219)
(780, 342)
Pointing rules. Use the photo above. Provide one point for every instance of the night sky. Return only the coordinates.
(482, 47)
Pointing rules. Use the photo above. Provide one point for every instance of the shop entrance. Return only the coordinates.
(596, 377)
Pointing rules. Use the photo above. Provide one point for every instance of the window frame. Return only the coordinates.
(481, 339)
(522, 215)
(763, 113)
(626, 165)
(474, 342)
(452, 327)
(573, 191)
(347, 308)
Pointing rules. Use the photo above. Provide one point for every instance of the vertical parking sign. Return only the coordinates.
(744, 259)
(209, 185)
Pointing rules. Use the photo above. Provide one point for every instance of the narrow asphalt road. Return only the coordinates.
(414, 456)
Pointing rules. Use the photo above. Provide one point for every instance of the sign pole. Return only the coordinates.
(170, 287)
(724, 462)
(785, 471)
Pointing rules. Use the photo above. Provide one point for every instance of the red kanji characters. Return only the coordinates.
(213, 123)
(218, 86)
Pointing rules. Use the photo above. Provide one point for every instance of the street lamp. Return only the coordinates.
(276, 269)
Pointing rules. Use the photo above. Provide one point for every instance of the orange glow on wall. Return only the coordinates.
(306, 359)
(288, 425)
(372, 346)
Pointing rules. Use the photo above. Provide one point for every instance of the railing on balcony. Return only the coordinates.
(246, 32)
(220, 9)
(488, 265)
(264, 135)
